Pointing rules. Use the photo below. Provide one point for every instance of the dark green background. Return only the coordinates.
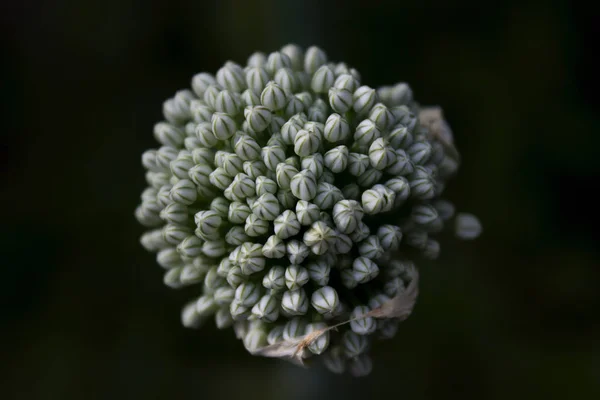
(85, 314)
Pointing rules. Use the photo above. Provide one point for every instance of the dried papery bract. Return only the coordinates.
(296, 198)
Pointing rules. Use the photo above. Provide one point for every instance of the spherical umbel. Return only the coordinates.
(290, 194)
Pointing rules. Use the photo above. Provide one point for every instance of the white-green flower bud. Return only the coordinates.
(340, 100)
(220, 179)
(286, 78)
(327, 196)
(247, 294)
(169, 258)
(175, 214)
(313, 59)
(210, 95)
(360, 233)
(354, 344)
(231, 76)
(346, 82)
(247, 149)
(294, 302)
(201, 112)
(307, 100)
(294, 328)
(296, 276)
(163, 158)
(394, 287)
(364, 270)
(313, 163)
(322, 80)
(432, 249)
(306, 212)
(243, 186)
(223, 295)
(346, 215)
(189, 317)
(220, 205)
(364, 99)
(336, 159)
(153, 240)
(149, 160)
(419, 152)
(357, 163)
(275, 334)
(319, 272)
(272, 156)
(168, 135)
(201, 81)
(205, 305)
(373, 202)
(214, 248)
(366, 132)
(336, 129)
(208, 223)
(273, 247)
(192, 142)
(389, 196)
(190, 274)
(378, 300)
(401, 187)
(422, 188)
(184, 192)
(297, 251)
(317, 114)
(190, 247)
(250, 98)
(276, 61)
(467, 226)
(370, 177)
(295, 54)
(254, 169)
(223, 318)
(274, 279)
(293, 106)
(273, 97)
(289, 131)
(203, 156)
(276, 140)
(267, 308)
(400, 138)
(325, 300)
(401, 94)
(257, 59)
(228, 102)
(175, 234)
(304, 185)
(256, 226)
(257, 79)
(343, 244)
(224, 267)
(286, 198)
(205, 134)
(286, 225)
(236, 236)
(258, 117)
(223, 125)
(348, 279)
(320, 238)
(321, 343)
(306, 142)
(212, 280)
(235, 277)
(238, 212)
(371, 248)
(381, 155)
(266, 207)
(382, 116)
(284, 174)
(390, 237)
(401, 165)
(238, 311)
(423, 214)
(362, 326)
(276, 124)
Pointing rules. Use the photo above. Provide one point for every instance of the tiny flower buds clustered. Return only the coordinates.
(297, 198)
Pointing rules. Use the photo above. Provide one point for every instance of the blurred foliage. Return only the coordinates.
(84, 310)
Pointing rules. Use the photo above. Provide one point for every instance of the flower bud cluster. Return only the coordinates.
(295, 197)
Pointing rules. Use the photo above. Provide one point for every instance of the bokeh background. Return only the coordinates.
(84, 312)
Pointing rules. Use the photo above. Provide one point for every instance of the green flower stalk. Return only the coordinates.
(295, 199)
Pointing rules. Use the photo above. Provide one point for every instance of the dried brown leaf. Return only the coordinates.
(402, 305)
